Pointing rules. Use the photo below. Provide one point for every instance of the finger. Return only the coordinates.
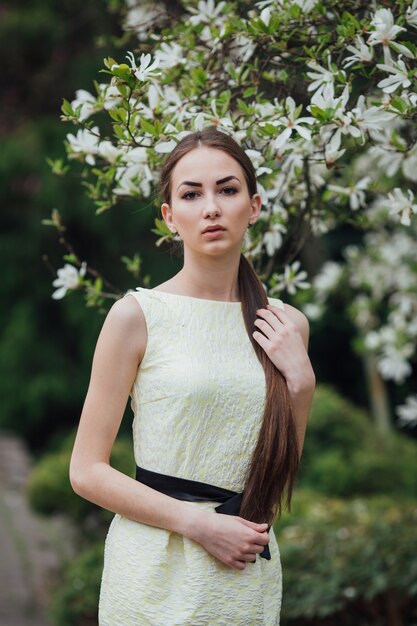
(270, 317)
(261, 339)
(260, 528)
(265, 328)
(238, 564)
(262, 540)
(250, 558)
(280, 314)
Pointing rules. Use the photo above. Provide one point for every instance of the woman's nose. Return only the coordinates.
(211, 208)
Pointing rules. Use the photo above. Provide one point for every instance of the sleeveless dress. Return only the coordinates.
(198, 401)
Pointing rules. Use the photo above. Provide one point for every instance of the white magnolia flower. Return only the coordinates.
(372, 341)
(325, 98)
(355, 192)
(68, 278)
(411, 15)
(398, 78)
(272, 240)
(108, 151)
(409, 165)
(87, 103)
(371, 118)
(313, 310)
(265, 15)
(320, 75)
(292, 123)
(163, 147)
(242, 48)
(394, 365)
(256, 157)
(169, 55)
(402, 206)
(146, 69)
(361, 53)
(407, 412)
(136, 155)
(85, 142)
(141, 16)
(207, 11)
(385, 32)
(327, 279)
(331, 149)
(134, 180)
(290, 280)
(387, 158)
(305, 5)
(110, 94)
(223, 123)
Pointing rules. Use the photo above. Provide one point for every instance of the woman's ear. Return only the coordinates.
(167, 215)
(255, 208)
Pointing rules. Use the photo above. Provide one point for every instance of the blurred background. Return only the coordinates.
(349, 548)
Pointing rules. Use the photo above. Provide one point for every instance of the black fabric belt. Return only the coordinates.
(194, 491)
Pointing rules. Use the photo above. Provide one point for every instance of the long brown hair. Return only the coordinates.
(275, 460)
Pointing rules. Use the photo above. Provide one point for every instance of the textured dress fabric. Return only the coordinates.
(198, 401)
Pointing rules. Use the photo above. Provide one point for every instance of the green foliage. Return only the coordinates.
(75, 599)
(344, 455)
(49, 489)
(348, 558)
(46, 347)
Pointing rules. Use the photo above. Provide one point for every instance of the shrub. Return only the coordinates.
(344, 455)
(49, 489)
(75, 599)
(347, 559)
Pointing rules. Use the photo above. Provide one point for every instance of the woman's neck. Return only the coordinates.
(208, 278)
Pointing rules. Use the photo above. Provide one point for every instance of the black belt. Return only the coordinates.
(194, 491)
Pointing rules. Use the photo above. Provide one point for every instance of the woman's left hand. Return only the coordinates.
(282, 341)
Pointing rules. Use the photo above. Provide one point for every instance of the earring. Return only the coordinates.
(250, 225)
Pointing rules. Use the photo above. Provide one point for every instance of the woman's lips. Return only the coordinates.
(213, 234)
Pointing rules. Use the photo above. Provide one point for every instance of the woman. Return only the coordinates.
(220, 385)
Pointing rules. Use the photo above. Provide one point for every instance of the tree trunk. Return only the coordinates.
(378, 397)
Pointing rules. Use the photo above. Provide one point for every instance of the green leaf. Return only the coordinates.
(161, 228)
(295, 11)
(70, 258)
(109, 62)
(148, 127)
(67, 109)
(250, 91)
(399, 104)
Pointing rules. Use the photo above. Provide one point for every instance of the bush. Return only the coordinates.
(49, 489)
(75, 600)
(353, 561)
(344, 455)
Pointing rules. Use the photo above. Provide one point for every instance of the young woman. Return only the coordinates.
(221, 385)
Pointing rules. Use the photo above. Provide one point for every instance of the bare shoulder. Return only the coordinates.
(300, 320)
(125, 325)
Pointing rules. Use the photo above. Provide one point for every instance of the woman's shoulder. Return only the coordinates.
(126, 322)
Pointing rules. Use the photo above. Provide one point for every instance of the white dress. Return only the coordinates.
(198, 402)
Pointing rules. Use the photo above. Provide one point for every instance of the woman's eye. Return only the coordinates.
(229, 191)
(190, 195)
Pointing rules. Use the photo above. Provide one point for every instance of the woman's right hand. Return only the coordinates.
(233, 540)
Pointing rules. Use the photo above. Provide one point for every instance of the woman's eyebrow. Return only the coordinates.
(218, 182)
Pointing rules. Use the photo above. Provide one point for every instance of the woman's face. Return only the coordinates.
(210, 204)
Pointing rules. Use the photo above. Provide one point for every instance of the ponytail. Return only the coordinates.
(275, 460)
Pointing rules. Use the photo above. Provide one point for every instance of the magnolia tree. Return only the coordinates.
(321, 95)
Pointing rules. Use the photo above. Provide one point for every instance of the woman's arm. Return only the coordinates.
(284, 338)
(119, 351)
